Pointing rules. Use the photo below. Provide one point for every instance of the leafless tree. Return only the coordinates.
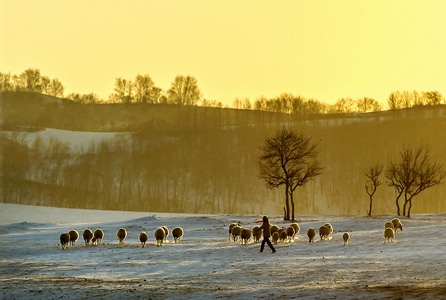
(412, 174)
(288, 159)
(372, 183)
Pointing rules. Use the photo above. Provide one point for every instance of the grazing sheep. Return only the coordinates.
(160, 235)
(346, 237)
(166, 231)
(330, 228)
(230, 229)
(64, 240)
(236, 231)
(311, 233)
(274, 228)
(245, 234)
(256, 233)
(389, 235)
(98, 235)
(74, 235)
(87, 234)
(143, 237)
(397, 224)
(389, 225)
(177, 234)
(324, 232)
(296, 229)
(121, 234)
(283, 235)
(275, 237)
(291, 232)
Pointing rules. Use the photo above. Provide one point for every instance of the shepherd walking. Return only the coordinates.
(266, 234)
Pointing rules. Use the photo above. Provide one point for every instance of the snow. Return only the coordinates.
(205, 265)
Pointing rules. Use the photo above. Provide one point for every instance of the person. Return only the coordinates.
(266, 234)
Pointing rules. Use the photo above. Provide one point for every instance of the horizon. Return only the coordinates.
(324, 51)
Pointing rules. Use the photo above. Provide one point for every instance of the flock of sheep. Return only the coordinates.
(95, 237)
(237, 232)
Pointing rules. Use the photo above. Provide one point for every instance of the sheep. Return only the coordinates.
(143, 237)
(236, 231)
(346, 237)
(177, 234)
(121, 234)
(256, 233)
(311, 233)
(230, 229)
(64, 240)
(245, 234)
(274, 228)
(389, 225)
(166, 231)
(324, 232)
(291, 232)
(275, 237)
(283, 234)
(389, 234)
(87, 234)
(98, 235)
(397, 224)
(74, 236)
(296, 227)
(160, 235)
(330, 227)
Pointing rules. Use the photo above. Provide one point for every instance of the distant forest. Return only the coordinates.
(185, 91)
(195, 159)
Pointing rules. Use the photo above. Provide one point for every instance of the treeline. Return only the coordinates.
(184, 90)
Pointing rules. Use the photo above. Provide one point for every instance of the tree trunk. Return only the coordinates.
(287, 204)
(398, 204)
(410, 207)
(370, 206)
(292, 205)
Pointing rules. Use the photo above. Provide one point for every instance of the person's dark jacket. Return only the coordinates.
(266, 228)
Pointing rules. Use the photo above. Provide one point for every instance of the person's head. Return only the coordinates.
(265, 219)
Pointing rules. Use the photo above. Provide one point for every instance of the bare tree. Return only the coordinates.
(184, 91)
(415, 172)
(288, 159)
(372, 183)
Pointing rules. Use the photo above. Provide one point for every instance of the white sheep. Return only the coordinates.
(160, 235)
(245, 235)
(64, 240)
(143, 237)
(346, 237)
(74, 236)
(87, 234)
(330, 227)
(98, 235)
(177, 234)
(389, 234)
(397, 224)
(256, 233)
(311, 233)
(121, 234)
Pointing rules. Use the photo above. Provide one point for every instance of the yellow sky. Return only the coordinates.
(318, 49)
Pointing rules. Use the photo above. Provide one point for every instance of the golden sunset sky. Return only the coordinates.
(317, 49)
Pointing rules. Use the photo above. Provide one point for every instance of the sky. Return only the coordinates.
(324, 49)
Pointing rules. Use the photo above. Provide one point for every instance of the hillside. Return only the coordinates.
(199, 160)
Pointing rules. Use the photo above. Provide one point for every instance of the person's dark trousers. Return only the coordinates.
(266, 240)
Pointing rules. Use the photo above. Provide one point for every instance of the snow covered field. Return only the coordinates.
(205, 265)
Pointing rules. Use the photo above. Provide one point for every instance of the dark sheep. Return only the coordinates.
(98, 235)
(256, 233)
(87, 234)
(143, 237)
(290, 231)
(230, 229)
(236, 231)
(160, 235)
(177, 234)
(245, 234)
(311, 233)
(121, 234)
(74, 236)
(64, 240)
(166, 231)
